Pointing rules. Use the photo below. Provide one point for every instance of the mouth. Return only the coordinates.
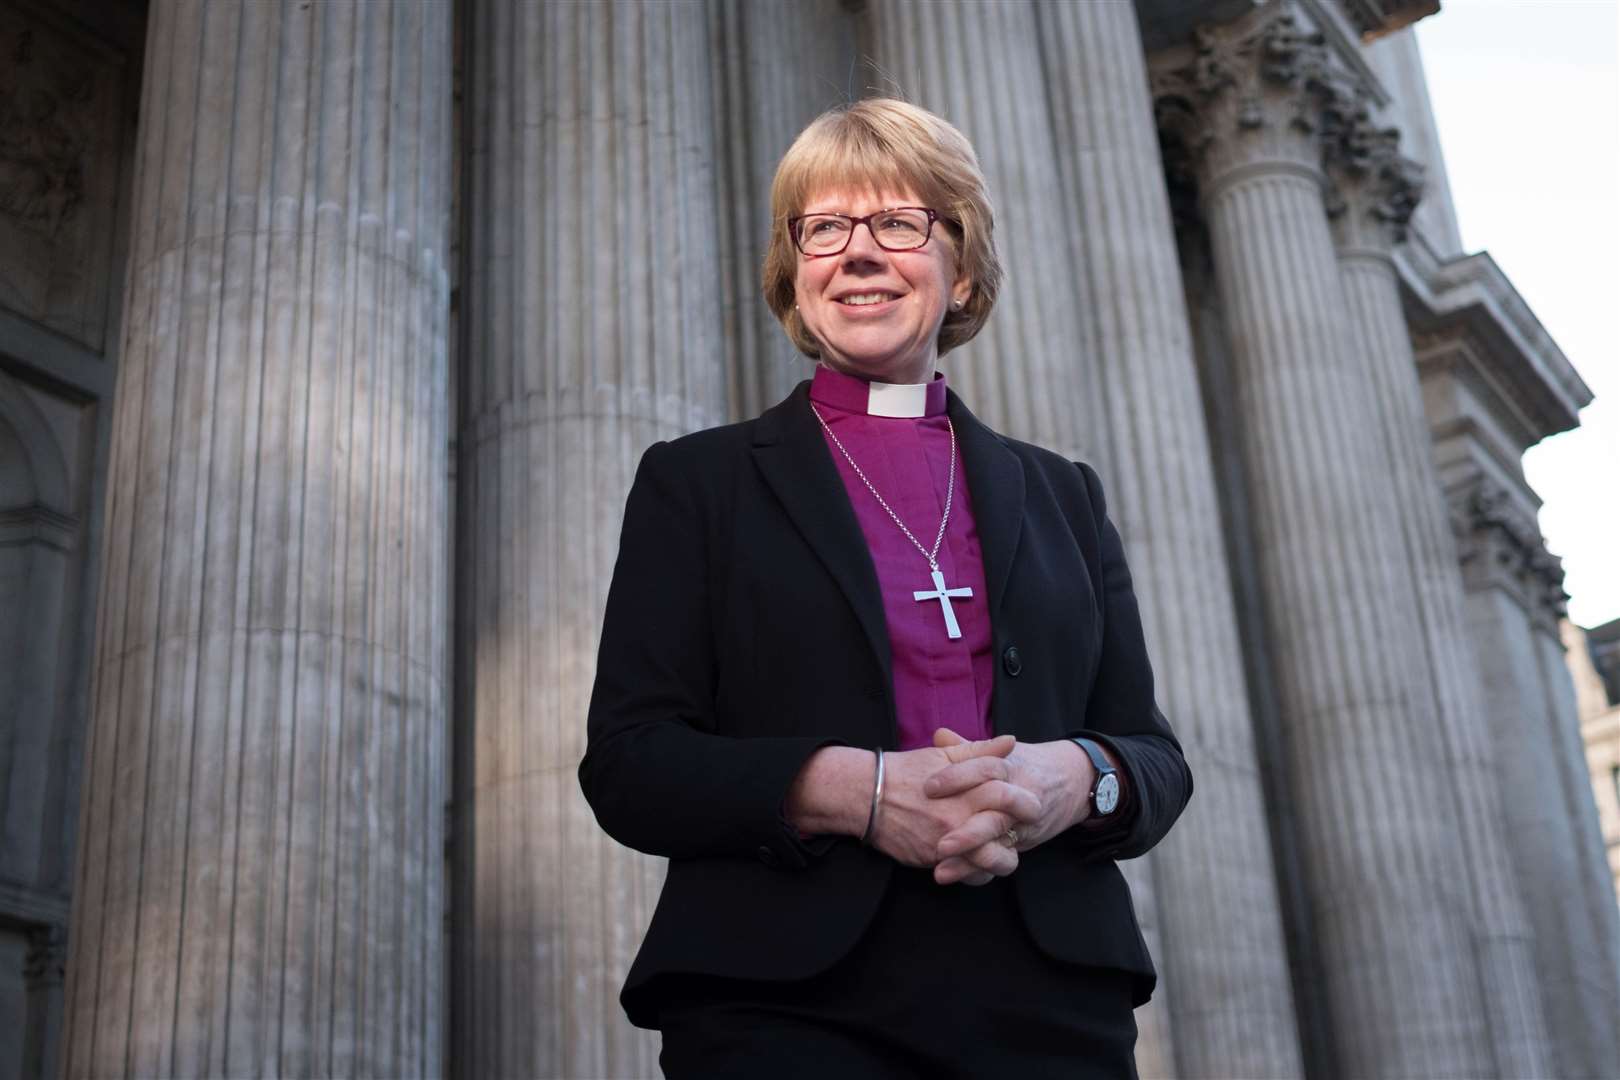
(875, 298)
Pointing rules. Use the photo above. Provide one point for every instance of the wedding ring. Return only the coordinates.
(1011, 836)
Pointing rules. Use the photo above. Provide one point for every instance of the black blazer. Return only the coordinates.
(744, 630)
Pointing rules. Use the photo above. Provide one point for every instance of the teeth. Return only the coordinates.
(867, 298)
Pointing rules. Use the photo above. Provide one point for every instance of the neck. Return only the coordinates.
(903, 373)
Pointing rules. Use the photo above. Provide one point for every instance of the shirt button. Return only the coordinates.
(766, 855)
(1010, 661)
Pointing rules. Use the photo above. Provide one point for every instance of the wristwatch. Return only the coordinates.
(1104, 792)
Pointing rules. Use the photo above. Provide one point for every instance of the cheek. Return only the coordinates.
(803, 294)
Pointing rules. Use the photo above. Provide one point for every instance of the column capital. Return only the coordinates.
(1372, 188)
(1264, 93)
(1500, 545)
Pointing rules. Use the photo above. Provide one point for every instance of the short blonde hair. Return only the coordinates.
(882, 143)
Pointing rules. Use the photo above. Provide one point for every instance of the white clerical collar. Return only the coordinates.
(854, 394)
(897, 399)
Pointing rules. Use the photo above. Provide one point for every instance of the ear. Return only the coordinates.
(961, 289)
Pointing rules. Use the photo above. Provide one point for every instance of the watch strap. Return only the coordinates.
(1100, 763)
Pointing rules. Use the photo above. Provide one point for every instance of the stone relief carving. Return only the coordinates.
(59, 165)
(44, 134)
(47, 956)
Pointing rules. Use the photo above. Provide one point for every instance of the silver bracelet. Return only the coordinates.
(877, 800)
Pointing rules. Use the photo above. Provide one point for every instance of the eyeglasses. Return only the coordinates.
(900, 228)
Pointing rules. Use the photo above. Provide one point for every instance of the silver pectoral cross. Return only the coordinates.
(943, 595)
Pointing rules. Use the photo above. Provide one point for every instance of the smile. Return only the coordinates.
(862, 299)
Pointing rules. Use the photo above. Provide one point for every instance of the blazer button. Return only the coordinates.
(1010, 662)
(766, 855)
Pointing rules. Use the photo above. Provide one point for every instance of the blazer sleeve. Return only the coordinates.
(655, 772)
(1121, 713)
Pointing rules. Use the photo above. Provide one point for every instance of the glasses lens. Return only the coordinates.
(901, 230)
(822, 233)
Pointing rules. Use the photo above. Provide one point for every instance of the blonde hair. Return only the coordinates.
(878, 144)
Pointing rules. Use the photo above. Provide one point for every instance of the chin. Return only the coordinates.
(875, 356)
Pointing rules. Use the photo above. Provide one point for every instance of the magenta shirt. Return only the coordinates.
(938, 681)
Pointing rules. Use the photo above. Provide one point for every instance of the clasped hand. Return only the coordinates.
(949, 806)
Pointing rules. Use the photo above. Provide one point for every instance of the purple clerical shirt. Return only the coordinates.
(939, 681)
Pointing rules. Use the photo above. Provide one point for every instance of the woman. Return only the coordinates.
(872, 677)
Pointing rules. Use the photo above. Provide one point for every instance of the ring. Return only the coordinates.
(1011, 836)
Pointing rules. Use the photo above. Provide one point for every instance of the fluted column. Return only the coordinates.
(1594, 916)
(1367, 763)
(1230, 1000)
(260, 874)
(1548, 826)
(779, 64)
(593, 322)
(1374, 192)
(979, 66)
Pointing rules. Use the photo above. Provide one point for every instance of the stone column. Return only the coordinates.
(1367, 765)
(593, 328)
(1598, 1046)
(979, 66)
(1230, 1002)
(1548, 824)
(260, 860)
(1374, 192)
(779, 64)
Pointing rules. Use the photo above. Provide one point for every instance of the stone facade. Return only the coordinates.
(1594, 663)
(330, 335)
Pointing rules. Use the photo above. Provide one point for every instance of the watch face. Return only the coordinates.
(1107, 794)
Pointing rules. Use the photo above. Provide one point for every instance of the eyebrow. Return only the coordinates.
(846, 213)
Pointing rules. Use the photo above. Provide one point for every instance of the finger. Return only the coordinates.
(981, 828)
(1000, 746)
(996, 857)
(1014, 800)
(946, 737)
(999, 806)
(968, 870)
(961, 872)
(955, 779)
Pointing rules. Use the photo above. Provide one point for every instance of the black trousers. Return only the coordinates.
(946, 982)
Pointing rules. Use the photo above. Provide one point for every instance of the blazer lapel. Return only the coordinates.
(792, 455)
(995, 479)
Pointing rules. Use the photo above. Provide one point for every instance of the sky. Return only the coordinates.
(1526, 95)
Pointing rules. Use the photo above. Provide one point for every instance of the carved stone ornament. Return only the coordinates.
(1373, 190)
(45, 132)
(60, 113)
(1265, 74)
(46, 959)
(1502, 545)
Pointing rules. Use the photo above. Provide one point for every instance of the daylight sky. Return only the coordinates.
(1526, 94)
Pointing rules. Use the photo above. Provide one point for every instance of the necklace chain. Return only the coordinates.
(950, 490)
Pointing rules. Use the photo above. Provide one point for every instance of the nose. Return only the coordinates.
(863, 245)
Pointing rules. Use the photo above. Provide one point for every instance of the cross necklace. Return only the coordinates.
(939, 591)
